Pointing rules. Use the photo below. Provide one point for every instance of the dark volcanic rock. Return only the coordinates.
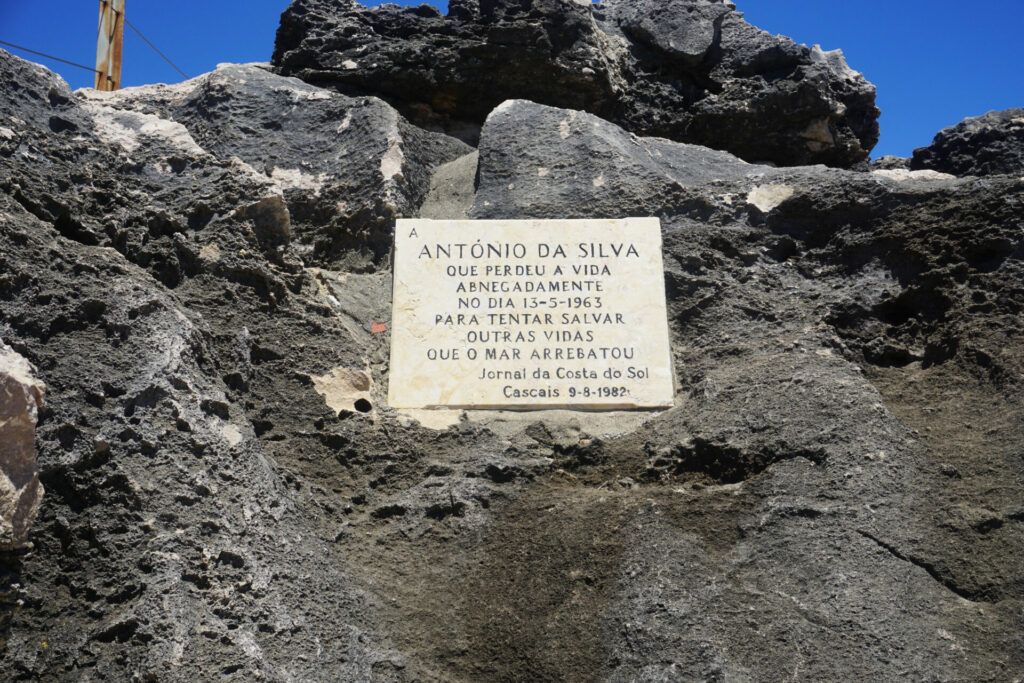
(154, 286)
(836, 495)
(688, 70)
(346, 167)
(818, 318)
(983, 145)
(21, 397)
(152, 282)
(890, 163)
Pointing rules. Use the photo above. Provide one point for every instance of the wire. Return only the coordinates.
(154, 47)
(43, 54)
(89, 68)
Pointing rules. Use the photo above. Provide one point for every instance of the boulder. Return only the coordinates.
(991, 144)
(345, 167)
(689, 70)
(330, 187)
(21, 397)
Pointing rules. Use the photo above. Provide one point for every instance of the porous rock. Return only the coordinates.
(890, 163)
(835, 496)
(21, 397)
(345, 167)
(688, 70)
(817, 319)
(155, 287)
(980, 146)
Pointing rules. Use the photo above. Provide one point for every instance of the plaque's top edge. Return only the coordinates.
(400, 221)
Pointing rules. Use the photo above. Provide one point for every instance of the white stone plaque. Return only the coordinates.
(529, 314)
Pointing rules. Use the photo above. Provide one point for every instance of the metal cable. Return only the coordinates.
(154, 47)
(43, 54)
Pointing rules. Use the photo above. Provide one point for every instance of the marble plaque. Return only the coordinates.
(529, 314)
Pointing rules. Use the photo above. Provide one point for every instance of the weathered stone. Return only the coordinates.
(683, 29)
(814, 314)
(529, 315)
(451, 189)
(890, 163)
(524, 166)
(689, 70)
(980, 146)
(346, 390)
(840, 476)
(902, 174)
(21, 397)
(150, 282)
(346, 167)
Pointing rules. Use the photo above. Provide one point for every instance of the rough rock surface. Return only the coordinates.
(152, 282)
(836, 495)
(21, 397)
(983, 145)
(890, 163)
(688, 70)
(341, 168)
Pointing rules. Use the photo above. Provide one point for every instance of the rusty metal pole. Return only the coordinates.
(110, 45)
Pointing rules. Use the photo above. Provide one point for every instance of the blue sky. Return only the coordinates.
(934, 61)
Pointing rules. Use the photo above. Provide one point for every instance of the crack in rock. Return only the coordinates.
(946, 582)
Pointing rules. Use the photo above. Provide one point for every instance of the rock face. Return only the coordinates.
(688, 70)
(152, 281)
(984, 145)
(344, 167)
(21, 397)
(836, 494)
(818, 324)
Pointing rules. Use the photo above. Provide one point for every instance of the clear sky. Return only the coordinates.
(934, 61)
